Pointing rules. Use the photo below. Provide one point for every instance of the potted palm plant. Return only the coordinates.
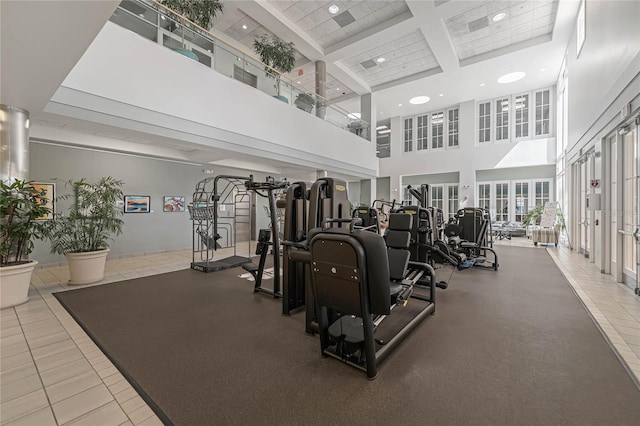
(83, 233)
(20, 207)
(197, 11)
(278, 56)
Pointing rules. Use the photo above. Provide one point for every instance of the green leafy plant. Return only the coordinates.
(91, 219)
(278, 56)
(200, 12)
(532, 217)
(20, 206)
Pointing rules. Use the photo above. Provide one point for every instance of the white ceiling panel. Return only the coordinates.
(404, 56)
(313, 17)
(525, 20)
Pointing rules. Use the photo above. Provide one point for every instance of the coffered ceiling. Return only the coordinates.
(444, 49)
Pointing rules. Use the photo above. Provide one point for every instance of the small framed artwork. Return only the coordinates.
(48, 191)
(137, 203)
(173, 203)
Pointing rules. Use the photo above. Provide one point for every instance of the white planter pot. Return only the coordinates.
(86, 268)
(14, 284)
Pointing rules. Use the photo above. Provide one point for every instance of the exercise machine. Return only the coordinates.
(220, 213)
(294, 233)
(357, 281)
(469, 233)
(262, 248)
(268, 189)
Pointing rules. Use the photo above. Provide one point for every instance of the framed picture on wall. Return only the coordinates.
(47, 198)
(173, 203)
(137, 203)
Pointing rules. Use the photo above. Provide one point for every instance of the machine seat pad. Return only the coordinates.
(400, 221)
(250, 267)
(398, 239)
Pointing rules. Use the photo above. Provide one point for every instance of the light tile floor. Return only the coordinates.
(53, 374)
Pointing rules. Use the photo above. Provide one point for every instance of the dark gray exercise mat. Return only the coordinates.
(513, 347)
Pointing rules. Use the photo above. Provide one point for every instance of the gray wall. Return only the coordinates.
(431, 179)
(542, 172)
(142, 232)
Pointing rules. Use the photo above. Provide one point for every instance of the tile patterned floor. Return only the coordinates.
(53, 374)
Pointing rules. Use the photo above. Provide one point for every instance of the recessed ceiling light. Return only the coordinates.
(333, 9)
(418, 100)
(354, 116)
(482, 84)
(381, 127)
(499, 17)
(381, 60)
(441, 94)
(511, 77)
(141, 15)
(399, 104)
(298, 81)
(162, 17)
(384, 132)
(543, 69)
(244, 27)
(337, 88)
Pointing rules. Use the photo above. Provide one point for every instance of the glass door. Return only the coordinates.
(584, 176)
(521, 193)
(613, 214)
(631, 224)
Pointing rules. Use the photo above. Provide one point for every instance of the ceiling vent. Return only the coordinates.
(344, 19)
(478, 24)
(369, 63)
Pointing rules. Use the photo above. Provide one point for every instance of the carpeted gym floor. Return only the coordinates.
(508, 347)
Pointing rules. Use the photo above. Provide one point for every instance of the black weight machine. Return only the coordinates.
(469, 234)
(307, 210)
(426, 243)
(357, 281)
(267, 190)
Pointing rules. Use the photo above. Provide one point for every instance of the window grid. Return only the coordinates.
(522, 200)
(502, 119)
(542, 193)
(437, 196)
(484, 123)
(408, 134)
(502, 201)
(453, 200)
(484, 195)
(453, 116)
(423, 128)
(522, 116)
(437, 130)
(542, 120)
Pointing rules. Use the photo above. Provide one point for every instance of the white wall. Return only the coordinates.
(608, 62)
(465, 159)
(126, 80)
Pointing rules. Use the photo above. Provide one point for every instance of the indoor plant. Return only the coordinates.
(200, 12)
(83, 233)
(20, 206)
(278, 57)
(305, 101)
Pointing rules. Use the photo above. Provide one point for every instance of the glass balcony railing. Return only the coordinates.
(157, 23)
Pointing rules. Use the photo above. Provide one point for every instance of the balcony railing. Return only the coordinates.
(155, 22)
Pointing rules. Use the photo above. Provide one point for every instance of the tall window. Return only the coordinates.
(408, 134)
(522, 116)
(522, 200)
(484, 122)
(542, 193)
(542, 121)
(484, 195)
(502, 119)
(453, 199)
(437, 130)
(423, 128)
(436, 196)
(502, 201)
(453, 126)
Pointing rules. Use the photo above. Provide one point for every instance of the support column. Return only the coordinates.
(368, 113)
(321, 174)
(14, 143)
(321, 87)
